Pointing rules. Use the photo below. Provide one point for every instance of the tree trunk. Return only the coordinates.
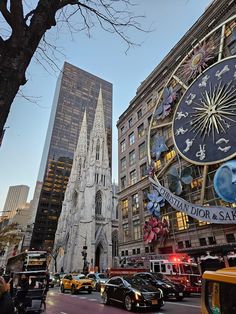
(8, 90)
(17, 52)
(13, 64)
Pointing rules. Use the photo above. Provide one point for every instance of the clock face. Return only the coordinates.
(193, 126)
(204, 123)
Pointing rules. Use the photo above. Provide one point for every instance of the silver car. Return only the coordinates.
(98, 280)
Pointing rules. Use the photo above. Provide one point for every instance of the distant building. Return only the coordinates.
(210, 40)
(22, 216)
(16, 198)
(34, 202)
(76, 91)
(85, 223)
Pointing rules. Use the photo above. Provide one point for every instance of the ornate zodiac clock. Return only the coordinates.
(192, 135)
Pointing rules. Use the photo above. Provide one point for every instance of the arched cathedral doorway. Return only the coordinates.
(97, 257)
(100, 258)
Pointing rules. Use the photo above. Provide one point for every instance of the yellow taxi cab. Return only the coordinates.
(76, 283)
(219, 291)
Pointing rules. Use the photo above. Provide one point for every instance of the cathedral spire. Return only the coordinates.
(98, 149)
(79, 154)
(99, 125)
(81, 149)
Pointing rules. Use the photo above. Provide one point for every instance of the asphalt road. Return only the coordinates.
(84, 303)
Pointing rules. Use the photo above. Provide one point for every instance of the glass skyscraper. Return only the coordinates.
(76, 91)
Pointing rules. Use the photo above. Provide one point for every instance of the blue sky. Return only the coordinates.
(102, 54)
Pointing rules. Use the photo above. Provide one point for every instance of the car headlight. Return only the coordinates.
(137, 294)
(161, 292)
(102, 290)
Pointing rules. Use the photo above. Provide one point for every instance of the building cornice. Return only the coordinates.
(206, 22)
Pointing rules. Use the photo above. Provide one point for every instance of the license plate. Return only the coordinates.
(86, 287)
(181, 294)
(154, 302)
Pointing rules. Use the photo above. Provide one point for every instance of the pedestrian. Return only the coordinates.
(6, 303)
(24, 283)
(32, 283)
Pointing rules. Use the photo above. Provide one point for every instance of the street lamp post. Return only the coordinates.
(84, 254)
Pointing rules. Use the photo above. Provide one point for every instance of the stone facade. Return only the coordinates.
(86, 216)
(76, 91)
(186, 234)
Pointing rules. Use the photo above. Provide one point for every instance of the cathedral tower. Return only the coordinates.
(87, 208)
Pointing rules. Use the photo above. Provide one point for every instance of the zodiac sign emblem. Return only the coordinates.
(190, 99)
(223, 71)
(189, 143)
(201, 153)
(222, 140)
(204, 81)
(180, 115)
(180, 131)
(224, 149)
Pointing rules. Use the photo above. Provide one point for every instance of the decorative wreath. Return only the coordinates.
(155, 229)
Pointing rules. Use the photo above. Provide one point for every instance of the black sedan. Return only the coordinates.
(169, 288)
(132, 293)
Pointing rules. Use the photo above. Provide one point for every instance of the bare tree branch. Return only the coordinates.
(5, 13)
(25, 36)
(28, 15)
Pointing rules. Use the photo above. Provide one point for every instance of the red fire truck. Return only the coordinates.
(186, 273)
(177, 267)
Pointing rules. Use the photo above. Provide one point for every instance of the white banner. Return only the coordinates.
(216, 214)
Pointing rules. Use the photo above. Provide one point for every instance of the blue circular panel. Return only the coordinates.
(205, 119)
(225, 181)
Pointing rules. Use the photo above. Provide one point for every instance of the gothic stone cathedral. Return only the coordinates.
(87, 210)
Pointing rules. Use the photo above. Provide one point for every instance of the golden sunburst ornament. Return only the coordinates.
(197, 62)
(213, 111)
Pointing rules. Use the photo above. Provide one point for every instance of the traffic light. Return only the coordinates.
(84, 253)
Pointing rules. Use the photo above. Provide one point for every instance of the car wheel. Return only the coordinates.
(179, 298)
(52, 286)
(128, 303)
(73, 290)
(90, 291)
(105, 298)
(158, 307)
(62, 289)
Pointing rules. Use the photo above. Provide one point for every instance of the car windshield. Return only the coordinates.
(134, 281)
(189, 269)
(102, 276)
(78, 277)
